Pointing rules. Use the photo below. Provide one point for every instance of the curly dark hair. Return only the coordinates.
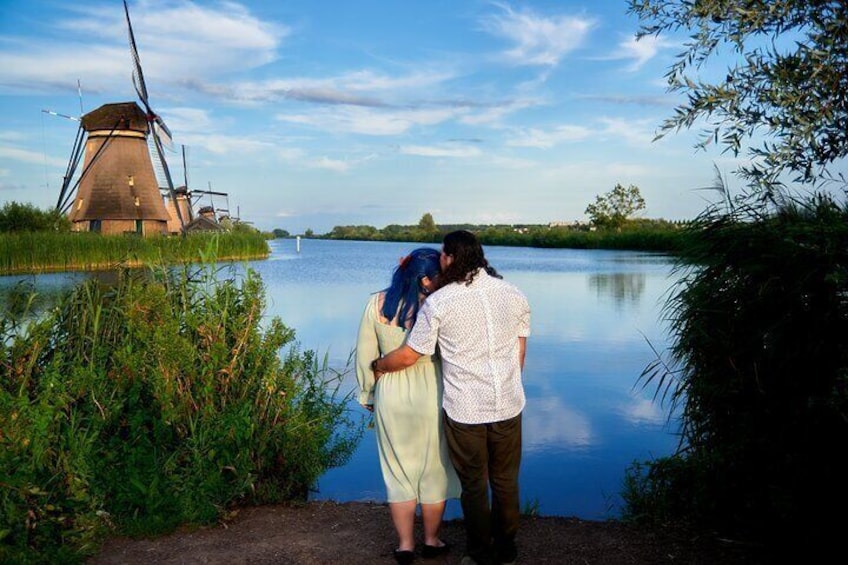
(468, 258)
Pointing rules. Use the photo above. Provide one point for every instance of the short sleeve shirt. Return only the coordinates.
(476, 327)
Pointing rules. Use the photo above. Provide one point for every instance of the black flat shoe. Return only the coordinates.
(404, 557)
(429, 551)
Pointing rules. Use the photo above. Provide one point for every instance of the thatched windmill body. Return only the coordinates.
(118, 190)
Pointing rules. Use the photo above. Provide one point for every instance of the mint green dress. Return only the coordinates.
(407, 416)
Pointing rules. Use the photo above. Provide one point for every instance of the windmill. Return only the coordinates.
(179, 205)
(117, 190)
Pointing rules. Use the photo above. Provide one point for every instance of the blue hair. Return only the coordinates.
(401, 298)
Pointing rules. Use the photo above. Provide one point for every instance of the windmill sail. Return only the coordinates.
(158, 130)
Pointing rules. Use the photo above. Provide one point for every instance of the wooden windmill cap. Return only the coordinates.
(119, 116)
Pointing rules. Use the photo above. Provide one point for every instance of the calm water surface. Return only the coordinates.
(593, 316)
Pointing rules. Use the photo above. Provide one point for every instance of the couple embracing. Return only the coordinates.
(439, 358)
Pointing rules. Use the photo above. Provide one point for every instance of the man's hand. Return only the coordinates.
(375, 369)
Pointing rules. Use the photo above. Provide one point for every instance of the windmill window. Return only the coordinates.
(137, 203)
(130, 180)
(94, 226)
(79, 203)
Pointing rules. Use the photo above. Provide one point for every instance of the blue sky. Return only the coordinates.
(312, 114)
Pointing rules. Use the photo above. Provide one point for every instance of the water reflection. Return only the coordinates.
(624, 288)
(594, 314)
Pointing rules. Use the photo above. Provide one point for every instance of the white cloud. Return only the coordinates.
(11, 136)
(495, 113)
(538, 40)
(220, 144)
(640, 51)
(290, 153)
(635, 132)
(176, 40)
(331, 164)
(552, 424)
(188, 120)
(642, 411)
(369, 121)
(27, 156)
(542, 139)
(359, 88)
(439, 151)
(512, 162)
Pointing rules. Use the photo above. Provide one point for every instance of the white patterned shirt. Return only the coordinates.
(476, 327)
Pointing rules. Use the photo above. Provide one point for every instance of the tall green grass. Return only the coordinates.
(759, 367)
(33, 252)
(163, 399)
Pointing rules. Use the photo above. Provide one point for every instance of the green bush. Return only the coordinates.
(17, 217)
(156, 401)
(759, 366)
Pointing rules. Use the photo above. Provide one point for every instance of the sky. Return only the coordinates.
(314, 113)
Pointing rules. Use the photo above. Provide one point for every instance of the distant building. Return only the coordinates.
(205, 221)
(563, 224)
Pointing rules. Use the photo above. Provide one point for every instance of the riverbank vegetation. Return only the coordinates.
(39, 241)
(637, 235)
(611, 225)
(47, 251)
(162, 399)
(759, 368)
(759, 360)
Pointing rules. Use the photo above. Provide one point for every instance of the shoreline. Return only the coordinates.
(361, 533)
(107, 266)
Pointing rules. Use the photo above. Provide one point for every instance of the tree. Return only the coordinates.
(17, 217)
(612, 209)
(427, 224)
(789, 83)
(754, 368)
(280, 233)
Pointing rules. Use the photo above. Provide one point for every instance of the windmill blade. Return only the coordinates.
(157, 123)
(67, 191)
(52, 113)
(163, 133)
(160, 155)
(138, 75)
(185, 169)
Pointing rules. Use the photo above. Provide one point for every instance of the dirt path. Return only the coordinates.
(361, 533)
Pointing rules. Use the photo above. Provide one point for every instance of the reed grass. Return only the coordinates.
(163, 399)
(758, 368)
(39, 252)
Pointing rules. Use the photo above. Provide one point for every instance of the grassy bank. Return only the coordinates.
(636, 235)
(160, 400)
(45, 251)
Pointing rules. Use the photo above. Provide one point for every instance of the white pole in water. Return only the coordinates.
(298, 244)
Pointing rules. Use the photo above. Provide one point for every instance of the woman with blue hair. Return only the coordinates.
(407, 408)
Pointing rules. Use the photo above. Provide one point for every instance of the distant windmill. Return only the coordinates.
(117, 191)
(179, 206)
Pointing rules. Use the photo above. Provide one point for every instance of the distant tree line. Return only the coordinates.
(611, 226)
